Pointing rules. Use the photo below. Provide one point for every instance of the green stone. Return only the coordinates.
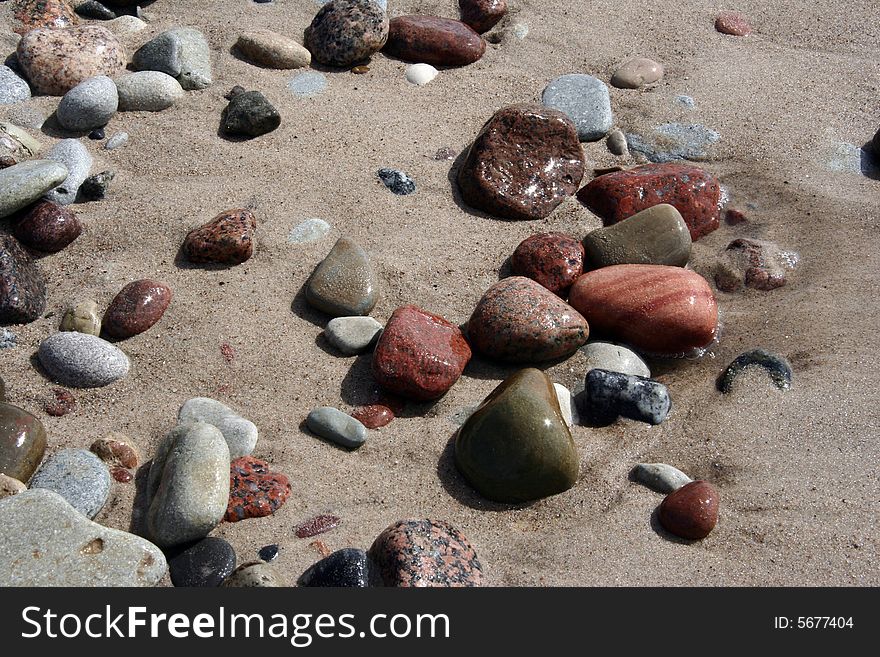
(343, 284)
(516, 447)
(655, 236)
(22, 442)
(82, 318)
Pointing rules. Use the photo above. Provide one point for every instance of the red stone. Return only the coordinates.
(433, 40)
(321, 547)
(115, 453)
(734, 217)
(419, 355)
(253, 492)
(691, 190)
(373, 416)
(733, 23)
(552, 259)
(690, 512)
(227, 239)
(47, 227)
(227, 352)
(63, 402)
(317, 525)
(482, 15)
(31, 14)
(121, 475)
(138, 306)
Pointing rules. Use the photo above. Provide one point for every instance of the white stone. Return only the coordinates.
(566, 404)
(420, 74)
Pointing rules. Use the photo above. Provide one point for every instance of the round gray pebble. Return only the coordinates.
(89, 105)
(12, 88)
(352, 335)
(310, 230)
(337, 427)
(81, 360)
(78, 476)
(148, 91)
(615, 358)
(307, 84)
(73, 155)
(585, 100)
(241, 434)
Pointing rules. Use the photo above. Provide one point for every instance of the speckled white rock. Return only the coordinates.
(78, 476)
(73, 155)
(89, 105)
(241, 435)
(12, 88)
(24, 183)
(615, 358)
(124, 25)
(660, 477)
(352, 335)
(81, 360)
(118, 140)
(310, 230)
(148, 91)
(420, 74)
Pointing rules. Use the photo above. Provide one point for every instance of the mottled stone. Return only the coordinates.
(82, 317)
(47, 227)
(12, 88)
(60, 403)
(608, 395)
(147, 91)
(22, 286)
(94, 188)
(252, 575)
(552, 259)
(205, 563)
(31, 14)
(250, 114)
(690, 512)
(348, 567)
(94, 9)
(343, 284)
(733, 23)
(118, 140)
(136, 308)
(10, 486)
(670, 142)
(757, 264)
(352, 335)
(24, 183)
(73, 155)
(373, 416)
(433, 40)
(345, 32)
(241, 434)
(777, 368)
(121, 475)
(660, 477)
(317, 525)
(227, 239)
(337, 427)
(615, 358)
(272, 50)
(89, 105)
(22, 442)
(396, 181)
(116, 450)
(585, 100)
(254, 492)
(637, 72)
(80, 360)
(78, 476)
(482, 15)
(310, 230)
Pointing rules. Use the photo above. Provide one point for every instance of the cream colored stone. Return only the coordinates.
(636, 73)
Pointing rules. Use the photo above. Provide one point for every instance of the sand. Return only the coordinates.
(796, 471)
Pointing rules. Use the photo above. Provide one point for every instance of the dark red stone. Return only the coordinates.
(734, 218)
(691, 190)
(138, 306)
(31, 14)
(419, 355)
(62, 403)
(733, 23)
(121, 475)
(691, 511)
(433, 40)
(552, 259)
(482, 15)
(115, 453)
(526, 160)
(227, 239)
(373, 416)
(47, 227)
(253, 492)
(22, 287)
(317, 525)
(7, 161)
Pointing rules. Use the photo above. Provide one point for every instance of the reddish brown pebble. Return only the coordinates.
(31, 14)
(691, 511)
(227, 352)
(373, 416)
(733, 23)
(47, 227)
(121, 475)
(116, 453)
(360, 70)
(227, 239)
(752, 263)
(444, 153)
(6, 161)
(62, 403)
(433, 40)
(253, 491)
(482, 15)
(734, 217)
(552, 259)
(317, 525)
(321, 547)
(136, 308)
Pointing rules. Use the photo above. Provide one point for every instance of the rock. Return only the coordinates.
(254, 574)
(94, 9)
(735, 217)
(10, 486)
(655, 236)
(566, 402)
(757, 264)
(161, 53)
(397, 181)
(31, 14)
(272, 50)
(60, 403)
(348, 567)
(241, 434)
(55, 61)
(433, 40)
(337, 427)
(116, 450)
(121, 475)
(205, 563)
(80, 360)
(482, 15)
(609, 395)
(317, 525)
(94, 188)
(136, 307)
(352, 335)
(373, 416)
(227, 239)
(425, 553)
(345, 32)
(670, 142)
(47, 227)
(419, 355)
(125, 25)
(617, 145)
(188, 487)
(307, 84)
(97, 134)
(182, 53)
(692, 191)
(78, 476)
(499, 175)
(660, 477)
(585, 100)
(637, 72)
(12, 88)
(89, 105)
(690, 512)
(116, 141)
(8, 340)
(22, 442)
(343, 284)
(269, 552)
(775, 366)
(67, 549)
(250, 114)
(614, 358)
(17, 143)
(22, 286)
(519, 321)
(733, 23)
(147, 91)
(516, 447)
(83, 317)
(420, 74)
(655, 308)
(253, 491)
(24, 183)
(552, 259)
(76, 158)
(310, 230)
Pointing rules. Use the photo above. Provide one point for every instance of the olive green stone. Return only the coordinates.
(516, 447)
(655, 236)
(343, 284)
(82, 318)
(22, 442)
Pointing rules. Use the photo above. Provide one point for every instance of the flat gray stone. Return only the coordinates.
(307, 84)
(337, 427)
(73, 155)
(81, 360)
(241, 435)
(585, 100)
(12, 88)
(195, 59)
(78, 476)
(670, 142)
(352, 335)
(310, 230)
(161, 53)
(660, 477)
(89, 105)
(148, 91)
(614, 358)
(118, 140)
(24, 183)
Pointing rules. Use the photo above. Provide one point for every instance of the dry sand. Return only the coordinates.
(797, 471)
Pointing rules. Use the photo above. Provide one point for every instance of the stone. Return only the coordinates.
(659, 309)
(777, 368)
(654, 236)
(566, 404)
(94, 188)
(24, 183)
(60, 403)
(147, 91)
(617, 145)
(352, 335)
(419, 355)
(433, 40)
(227, 239)
(188, 486)
(31, 14)
(205, 563)
(97, 134)
(80, 360)
(22, 442)
(348, 567)
(317, 525)
(78, 476)
(420, 74)
(637, 72)
(241, 435)
(181, 52)
(373, 416)
(755, 264)
(608, 395)
(526, 160)
(8, 340)
(516, 447)
(670, 142)
(310, 230)
(272, 50)
(82, 317)
(136, 308)
(10, 486)
(735, 217)
(250, 114)
(161, 53)
(121, 475)
(660, 477)
(585, 100)
(254, 574)
(552, 259)
(116, 450)
(519, 321)
(125, 25)
(76, 158)
(614, 358)
(12, 88)
(254, 492)
(307, 84)
(118, 140)
(47, 227)
(89, 105)
(482, 15)
(16, 142)
(690, 512)
(337, 427)
(733, 23)
(67, 549)
(22, 286)
(397, 181)
(425, 553)
(269, 552)
(692, 191)
(343, 284)
(55, 61)
(94, 9)
(345, 32)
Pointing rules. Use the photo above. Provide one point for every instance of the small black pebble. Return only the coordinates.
(348, 567)
(269, 553)
(94, 9)
(203, 563)
(397, 181)
(98, 133)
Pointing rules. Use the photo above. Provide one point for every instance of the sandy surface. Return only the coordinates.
(797, 471)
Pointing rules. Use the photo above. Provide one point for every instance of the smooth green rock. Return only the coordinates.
(22, 184)
(22, 442)
(82, 318)
(516, 447)
(343, 284)
(655, 236)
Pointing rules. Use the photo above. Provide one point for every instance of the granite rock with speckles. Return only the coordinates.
(345, 32)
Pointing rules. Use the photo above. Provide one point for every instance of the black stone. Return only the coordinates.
(237, 89)
(205, 563)
(97, 134)
(94, 188)
(94, 9)
(397, 181)
(269, 553)
(348, 567)
(250, 114)
(608, 395)
(22, 287)
(778, 369)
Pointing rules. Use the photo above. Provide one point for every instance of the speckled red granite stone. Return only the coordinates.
(422, 553)
(552, 259)
(691, 190)
(691, 511)
(227, 239)
(433, 40)
(373, 416)
(62, 403)
(30, 14)
(47, 226)
(482, 15)
(138, 306)
(253, 492)
(121, 475)
(22, 286)
(317, 525)
(733, 23)
(419, 355)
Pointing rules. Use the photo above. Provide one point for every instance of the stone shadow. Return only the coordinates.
(452, 177)
(665, 535)
(301, 308)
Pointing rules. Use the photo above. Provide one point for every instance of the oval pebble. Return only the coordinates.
(636, 73)
(615, 358)
(419, 74)
(116, 141)
(47, 227)
(691, 512)
(251, 575)
(136, 308)
(89, 105)
(205, 563)
(148, 91)
(352, 335)
(272, 50)
(78, 161)
(310, 230)
(660, 477)
(80, 360)
(78, 476)
(337, 427)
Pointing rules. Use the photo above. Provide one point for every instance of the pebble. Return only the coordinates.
(695, 193)
(12, 88)
(735, 217)
(251, 575)
(121, 475)
(182, 53)
(310, 230)
(433, 40)
(307, 84)
(10, 486)
(205, 563)
(670, 142)
(272, 50)
(22, 286)
(617, 145)
(136, 308)
(345, 32)
(775, 366)
(373, 416)
(147, 91)
(482, 15)
(756, 264)
(60, 403)
(516, 447)
(250, 114)
(8, 340)
(47, 227)
(269, 552)
(116, 450)
(352, 335)
(609, 395)
(686, 101)
(125, 25)
(97, 134)
(360, 70)
(420, 74)
(55, 61)
(660, 477)
(419, 355)
(89, 105)
(94, 9)
(425, 553)
(655, 308)
(691, 512)
(637, 72)
(116, 141)
(566, 405)
(317, 525)
(22, 442)
(443, 153)
(94, 188)
(67, 549)
(16, 142)
(23, 183)
(337, 427)
(31, 14)
(76, 158)
(397, 181)
(227, 239)
(343, 284)
(614, 358)
(585, 100)
(161, 53)
(82, 317)
(519, 321)
(254, 492)
(78, 476)
(348, 567)
(241, 434)
(500, 177)
(733, 23)
(80, 360)
(552, 259)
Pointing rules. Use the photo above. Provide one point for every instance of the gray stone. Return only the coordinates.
(94, 188)
(78, 476)
(617, 143)
(123, 25)
(10, 486)
(195, 59)
(585, 100)
(24, 183)
(615, 358)
(660, 477)
(80, 360)
(8, 339)
(73, 155)
(148, 91)
(397, 181)
(337, 427)
(17, 142)
(64, 548)
(94, 9)
(89, 105)
(255, 574)
(310, 230)
(307, 84)
(344, 283)
(609, 395)
(83, 317)
(674, 141)
(655, 236)
(250, 114)
(161, 53)
(352, 335)
(118, 140)
(12, 88)
(241, 435)
(686, 101)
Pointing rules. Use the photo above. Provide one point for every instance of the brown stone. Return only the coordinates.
(31, 14)
(22, 442)
(733, 23)
(227, 239)
(433, 40)
(138, 306)
(482, 15)
(116, 450)
(373, 416)
(61, 403)
(690, 512)
(552, 259)
(22, 286)
(47, 227)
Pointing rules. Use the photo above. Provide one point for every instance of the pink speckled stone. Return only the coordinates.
(733, 23)
(31, 14)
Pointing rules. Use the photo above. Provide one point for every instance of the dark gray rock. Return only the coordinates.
(397, 181)
(250, 114)
(348, 567)
(94, 188)
(777, 367)
(608, 395)
(205, 563)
